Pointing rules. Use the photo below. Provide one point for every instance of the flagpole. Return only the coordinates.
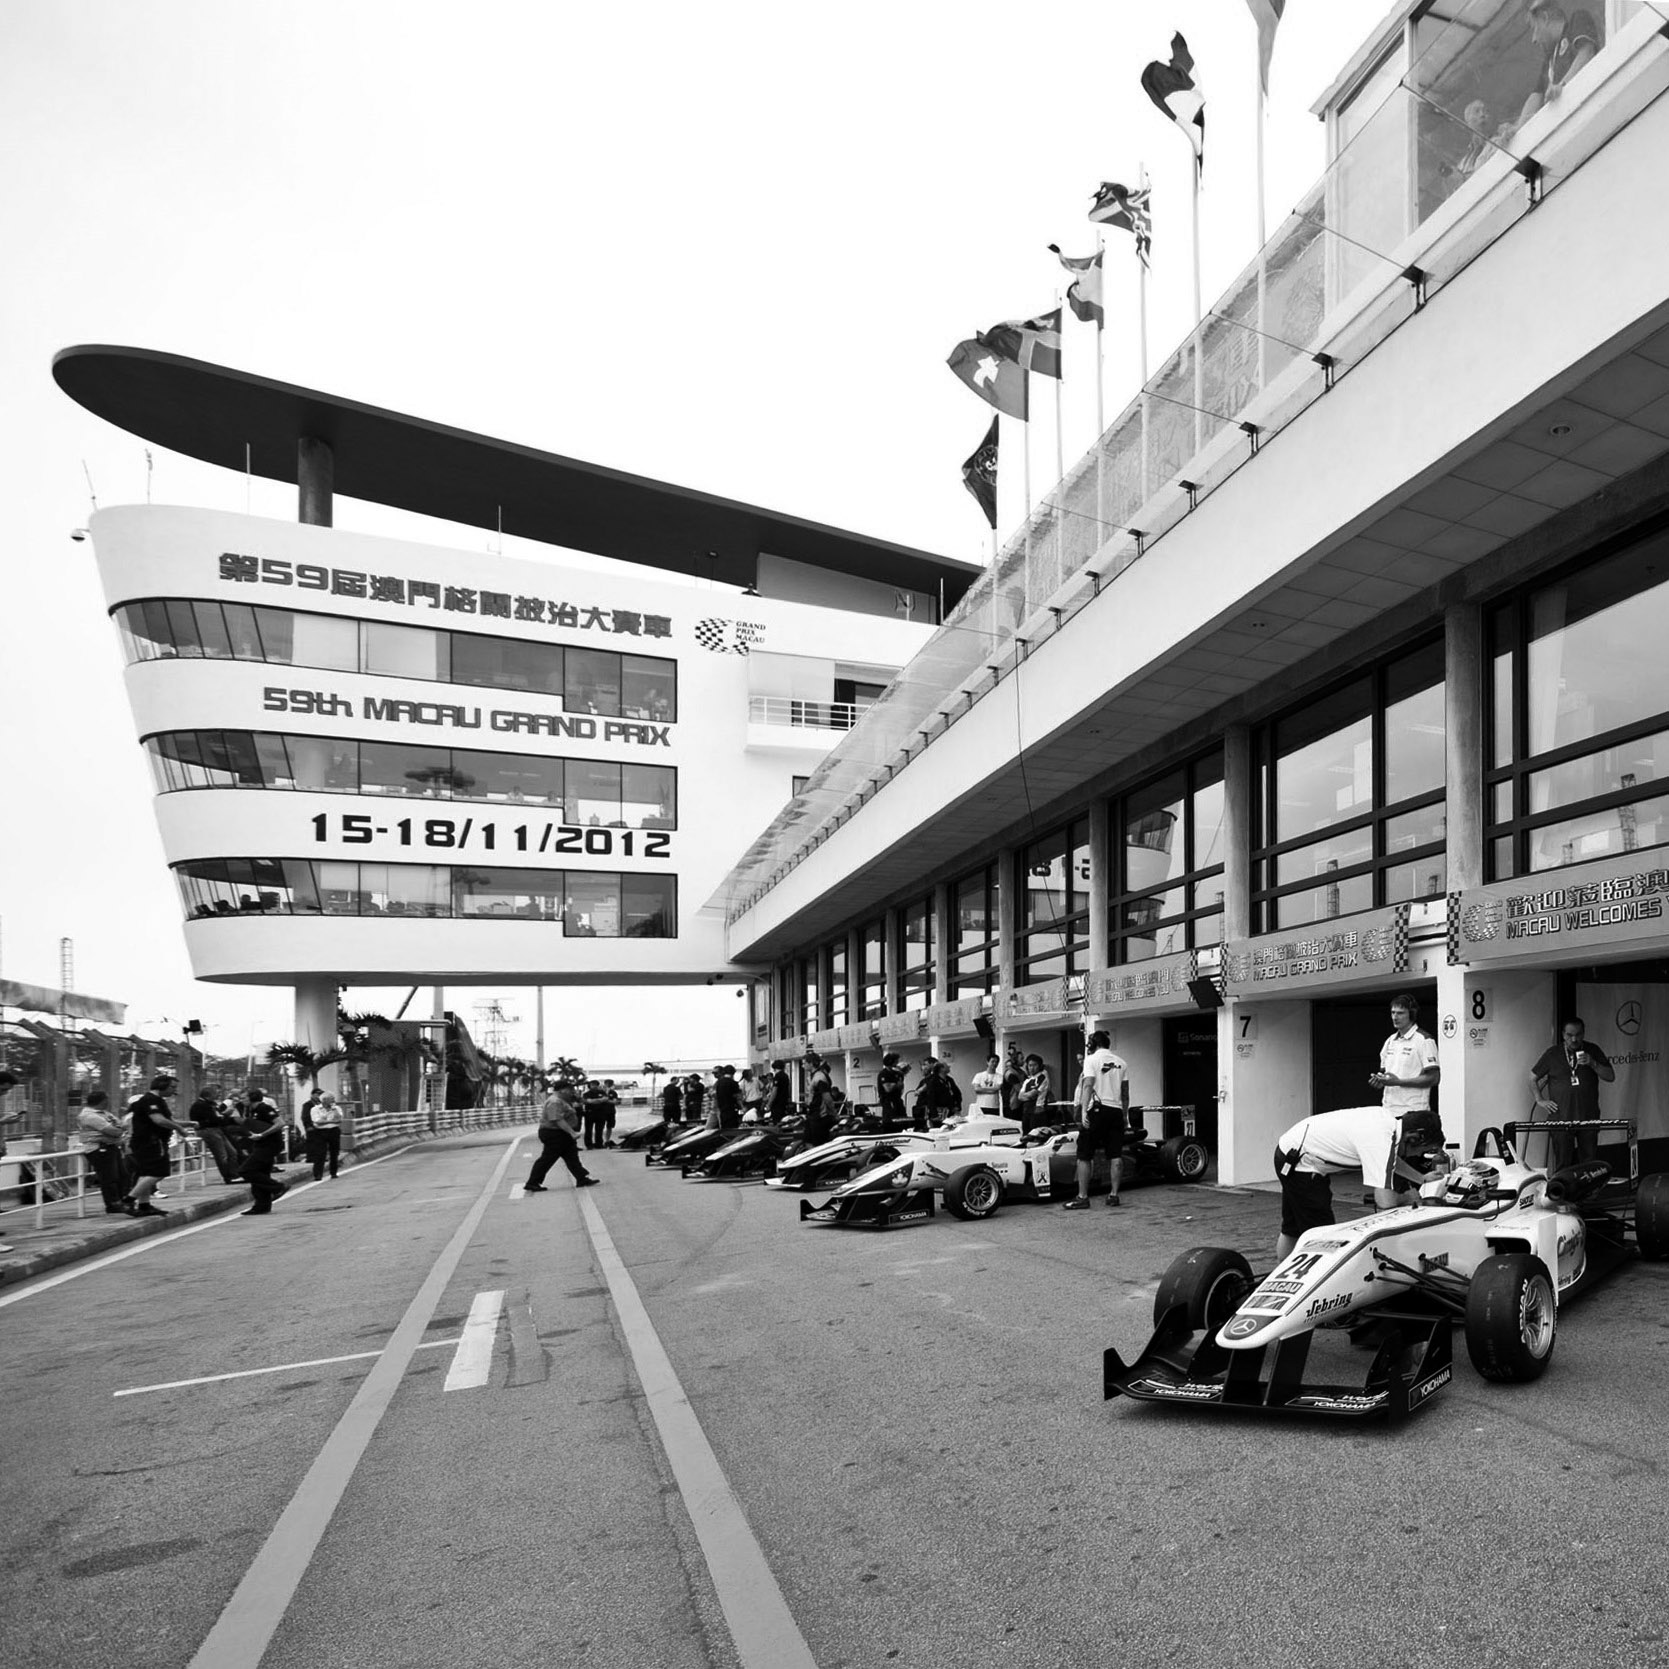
(1263, 255)
(1199, 316)
(1142, 315)
(1100, 412)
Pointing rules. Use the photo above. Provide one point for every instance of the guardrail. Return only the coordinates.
(819, 715)
(419, 1122)
(66, 1175)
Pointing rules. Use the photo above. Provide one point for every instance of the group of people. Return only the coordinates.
(246, 1138)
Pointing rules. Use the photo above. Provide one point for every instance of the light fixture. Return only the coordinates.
(1559, 429)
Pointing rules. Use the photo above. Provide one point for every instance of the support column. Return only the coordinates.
(944, 942)
(316, 1024)
(1238, 824)
(1260, 1059)
(315, 481)
(1463, 726)
(890, 958)
(1008, 916)
(1101, 883)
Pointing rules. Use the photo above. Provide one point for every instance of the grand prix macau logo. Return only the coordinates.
(1483, 921)
(729, 637)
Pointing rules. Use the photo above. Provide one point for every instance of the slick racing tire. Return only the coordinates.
(1210, 1280)
(1651, 1217)
(974, 1193)
(1183, 1160)
(1511, 1318)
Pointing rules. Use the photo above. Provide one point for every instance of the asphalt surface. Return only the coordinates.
(911, 1425)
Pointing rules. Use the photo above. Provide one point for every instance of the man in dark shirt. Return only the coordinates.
(151, 1128)
(782, 1092)
(596, 1109)
(727, 1097)
(205, 1113)
(1566, 1080)
(1568, 39)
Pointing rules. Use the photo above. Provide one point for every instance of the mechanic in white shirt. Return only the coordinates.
(1103, 1116)
(1315, 1148)
(988, 1086)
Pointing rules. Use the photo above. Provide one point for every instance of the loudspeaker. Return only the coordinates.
(1205, 993)
(985, 1029)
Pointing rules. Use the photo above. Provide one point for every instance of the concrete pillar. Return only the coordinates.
(1238, 826)
(316, 1024)
(1009, 883)
(944, 941)
(1463, 725)
(315, 481)
(1103, 878)
(890, 960)
(854, 975)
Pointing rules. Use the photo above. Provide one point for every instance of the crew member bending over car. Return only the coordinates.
(1315, 1148)
(1103, 1116)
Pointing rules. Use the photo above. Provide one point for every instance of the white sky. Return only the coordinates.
(728, 245)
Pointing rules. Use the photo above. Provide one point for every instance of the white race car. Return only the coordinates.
(1497, 1244)
(976, 1164)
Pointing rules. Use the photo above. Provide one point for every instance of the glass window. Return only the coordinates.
(1415, 741)
(872, 970)
(405, 651)
(592, 793)
(1324, 903)
(917, 958)
(649, 907)
(975, 907)
(1155, 836)
(274, 762)
(592, 906)
(241, 630)
(325, 640)
(511, 777)
(405, 889)
(212, 633)
(182, 630)
(592, 682)
(1325, 780)
(400, 768)
(324, 763)
(834, 982)
(649, 796)
(506, 663)
(277, 630)
(648, 688)
(1170, 857)
(527, 894)
(339, 890)
(1325, 857)
(1054, 906)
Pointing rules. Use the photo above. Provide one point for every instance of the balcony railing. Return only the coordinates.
(1426, 183)
(815, 715)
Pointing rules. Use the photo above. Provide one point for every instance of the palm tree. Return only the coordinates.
(654, 1069)
(566, 1070)
(304, 1062)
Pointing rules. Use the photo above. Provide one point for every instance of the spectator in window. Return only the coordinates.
(1568, 39)
(1477, 119)
(102, 1143)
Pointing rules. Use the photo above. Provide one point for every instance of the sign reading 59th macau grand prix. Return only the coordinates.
(1350, 951)
(1564, 915)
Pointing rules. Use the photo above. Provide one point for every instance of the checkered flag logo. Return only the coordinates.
(728, 637)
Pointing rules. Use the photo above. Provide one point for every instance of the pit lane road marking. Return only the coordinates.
(761, 1626)
(282, 1367)
(472, 1365)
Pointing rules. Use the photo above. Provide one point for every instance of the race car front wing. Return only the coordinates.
(1413, 1359)
(872, 1210)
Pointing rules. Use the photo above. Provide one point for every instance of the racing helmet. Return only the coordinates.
(1471, 1184)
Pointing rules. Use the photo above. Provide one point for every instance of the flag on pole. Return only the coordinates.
(1171, 87)
(1130, 211)
(1033, 344)
(995, 377)
(1268, 15)
(1083, 294)
(979, 474)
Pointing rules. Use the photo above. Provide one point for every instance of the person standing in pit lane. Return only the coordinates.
(559, 1124)
(727, 1097)
(101, 1143)
(889, 1090)
(1103, 1117)
(324, 1139)
(267, 1141)
(151, 1128)
(988, 1087)
(1319, 1147)
(1408, 1070)
(782, 1092)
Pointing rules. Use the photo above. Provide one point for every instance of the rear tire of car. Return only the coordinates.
(1210, 1280)
(1651, 1218)
(1511, 1318)
(1183, 1159)
(974, 1193)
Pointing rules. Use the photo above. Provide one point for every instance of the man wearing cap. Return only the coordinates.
(151, 1128)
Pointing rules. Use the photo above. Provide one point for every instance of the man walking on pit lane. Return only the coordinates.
(558, 1126)
(1103, 1117)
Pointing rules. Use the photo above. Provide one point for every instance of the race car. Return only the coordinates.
(1496, 1244)
(749, 1153)
(976, 1165)
(841, 1158)
(686, 1146)
(1181, 1157)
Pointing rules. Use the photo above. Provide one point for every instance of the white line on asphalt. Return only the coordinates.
(760, 1623)
(45, 1283)
(472, 1365)
(283, 1367)
(252, 1615)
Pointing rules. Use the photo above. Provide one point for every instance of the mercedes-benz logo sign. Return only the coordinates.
(1629, 1017)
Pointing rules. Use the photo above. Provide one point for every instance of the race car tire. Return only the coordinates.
(974, 1193)
(1210, 1280)
(1183, 1160)
(1511, 1318)
(1651, 1217)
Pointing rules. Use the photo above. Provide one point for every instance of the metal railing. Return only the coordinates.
(817, 715)
(417, 1123)
(65, 1176)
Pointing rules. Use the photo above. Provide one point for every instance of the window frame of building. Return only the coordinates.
(871, 983)
(1061, 947)
(1522, 768)
(917, 953)
(837, 985)
(974, 965)
(1375, 827)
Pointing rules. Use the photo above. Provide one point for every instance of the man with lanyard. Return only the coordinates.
(1566, 1080)
(1103, 1117)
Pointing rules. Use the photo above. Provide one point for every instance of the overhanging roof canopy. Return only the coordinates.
(212, 413)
